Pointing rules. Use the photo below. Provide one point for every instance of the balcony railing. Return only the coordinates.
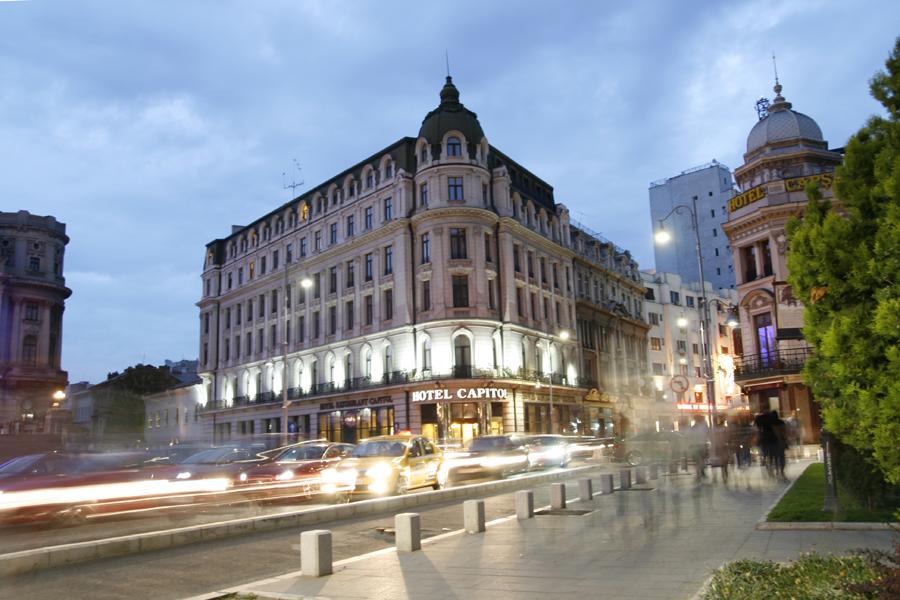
(402, 377)
(776, 362)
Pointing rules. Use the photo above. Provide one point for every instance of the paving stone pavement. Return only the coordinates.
(640, 544)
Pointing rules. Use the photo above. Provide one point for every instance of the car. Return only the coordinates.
(228, 462)
(389, 465)
(547, 450)
(296, 470)
(583, 446)
(651, 446)
(496, 456)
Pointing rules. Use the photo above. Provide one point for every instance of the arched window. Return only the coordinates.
(426, 355)
(331, 366)
(29, 350)
(538, 360)
(367, 363)
(454, 146)
(388, 360)
(462, 356)
(348, 366)
(313, 374)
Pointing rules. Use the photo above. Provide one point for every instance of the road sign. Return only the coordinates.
(679, 384)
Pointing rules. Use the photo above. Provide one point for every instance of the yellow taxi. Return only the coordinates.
(388, 465)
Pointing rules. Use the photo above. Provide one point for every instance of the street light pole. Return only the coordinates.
(662, 237)
(285, 401)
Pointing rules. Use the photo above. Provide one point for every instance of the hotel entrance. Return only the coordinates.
(456, 423)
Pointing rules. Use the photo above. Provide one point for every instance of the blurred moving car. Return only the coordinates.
(387, 465)
(547, 450)
(584, 447)
(651, 446)
(488, 456)
(228, 462)
(296, 470)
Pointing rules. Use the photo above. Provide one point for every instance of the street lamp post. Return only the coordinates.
(662, 236)
(305, 283)
(554, 420)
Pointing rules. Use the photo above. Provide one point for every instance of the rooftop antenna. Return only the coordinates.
(775, 66)
(294, 184)
(447, 59)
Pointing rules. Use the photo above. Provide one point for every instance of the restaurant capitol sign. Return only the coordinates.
(480, 393)
(794, 184)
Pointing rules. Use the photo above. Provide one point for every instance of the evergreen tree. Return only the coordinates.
(844, 261)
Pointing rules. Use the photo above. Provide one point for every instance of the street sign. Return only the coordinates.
(679, 384)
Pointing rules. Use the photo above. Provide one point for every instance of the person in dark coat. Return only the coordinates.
(780, 443)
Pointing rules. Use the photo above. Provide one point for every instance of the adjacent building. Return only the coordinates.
(32, 300)
(707, 190)
(172, 416)
(677, 371)
(785, 152)
(428, 287)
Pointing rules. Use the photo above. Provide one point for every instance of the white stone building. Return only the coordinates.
(676, 351)
(173, 416)
(436, 265)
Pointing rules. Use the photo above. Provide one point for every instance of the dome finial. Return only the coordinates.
(778, 102)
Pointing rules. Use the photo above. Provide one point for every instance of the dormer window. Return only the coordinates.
(423, 155)
(388, 171)
(370, 180)
(454, 146)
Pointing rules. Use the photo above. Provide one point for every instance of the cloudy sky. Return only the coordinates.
(151, 127)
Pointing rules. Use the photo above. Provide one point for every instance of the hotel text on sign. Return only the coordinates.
(460, 394)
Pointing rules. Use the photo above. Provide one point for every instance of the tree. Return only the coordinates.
(844, 260)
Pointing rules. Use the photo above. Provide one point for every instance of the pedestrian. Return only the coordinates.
(766, 439)
(780, 444)
(699, 437)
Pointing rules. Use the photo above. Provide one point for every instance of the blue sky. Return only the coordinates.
(150, 128)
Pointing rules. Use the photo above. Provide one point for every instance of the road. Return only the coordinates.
(191, 570)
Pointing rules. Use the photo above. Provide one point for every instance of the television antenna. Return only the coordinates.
(295, 183)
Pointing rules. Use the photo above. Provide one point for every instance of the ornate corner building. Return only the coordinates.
(429, 287)
(32, 300)
(785, 153)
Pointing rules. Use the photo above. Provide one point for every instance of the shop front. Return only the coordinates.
(350, 421)
(456, 415)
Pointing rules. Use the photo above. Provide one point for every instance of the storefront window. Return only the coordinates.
(352, 426)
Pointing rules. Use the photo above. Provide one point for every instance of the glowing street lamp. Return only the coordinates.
(682, 322)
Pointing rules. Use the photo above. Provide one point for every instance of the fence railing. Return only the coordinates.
(775, 362)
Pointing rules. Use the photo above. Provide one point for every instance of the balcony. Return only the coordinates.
(778, 362)
(400, 378)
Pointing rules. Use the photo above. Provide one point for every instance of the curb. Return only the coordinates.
(29, 561)
(825, 526)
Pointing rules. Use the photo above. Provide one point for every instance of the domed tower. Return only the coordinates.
(786, 152)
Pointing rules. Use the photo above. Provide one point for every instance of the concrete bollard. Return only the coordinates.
(585, 489)
(625, 479)
(315, 553)
(607, 485)
(640, 475)
(654, 471)
(684, 464)
(408, 532)
(524, 504)
(473, 516)
(673, 467)
(557, 495)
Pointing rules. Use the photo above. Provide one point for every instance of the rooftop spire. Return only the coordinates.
(778, 102)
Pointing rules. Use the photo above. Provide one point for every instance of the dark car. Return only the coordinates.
(651, 446)
(296, 470)
(494, 456)
(228, 462)
(547, 450)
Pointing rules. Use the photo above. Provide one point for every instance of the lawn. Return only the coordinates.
(804, 501)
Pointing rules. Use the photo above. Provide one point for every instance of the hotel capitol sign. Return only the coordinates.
(794, 184)
(445, 395)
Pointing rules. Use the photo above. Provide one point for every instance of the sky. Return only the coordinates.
(150, 127)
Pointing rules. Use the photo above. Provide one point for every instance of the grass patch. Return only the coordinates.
(804, 501)
(811, 577)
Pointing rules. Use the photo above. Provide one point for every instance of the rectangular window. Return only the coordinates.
(317, 241)
(423, 194)
(715, 232)
(675, 298)
(492, 300)
(748, 258)
(350, 225)
(302, 247)
(534, 313)
(767, 259)
(31, 314)
(689, 301)
(262, 306)
(332, 234)
(369, 312)
(517, 265)
(426, 295)
(237, 346)
(388, 209)
(695, 348)
(240, 275)
(555, 276)
(659, 369)
(681, 346)
(460, 291)
(529, 262)
(301, 329)
(275, 260)
(249, 339)
(519, 301)
(712, 212)
(455, 188)
(316, 325)
(289, 253)
(260, 341)
(457, 243)
(543, 265)
(287, 296)
(351, 273)
(332, 280)
(249, 310)
(484, 194)
(273, 340)
(717, 251)
(332, 320)
(369, 266)
(388, 305)
(317, 286)
(655, 343)
(348, 317)
(262, 265)
(426, 248)
(654, 319)
(34, 263)
(237, 314)
(388, 260)
(367, 215)
(274, 307)
(488, 247)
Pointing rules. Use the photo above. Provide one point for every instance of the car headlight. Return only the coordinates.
(243, 477)
(379, 471)
(285, 475)
(183, 475)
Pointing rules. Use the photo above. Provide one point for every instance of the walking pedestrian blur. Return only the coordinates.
(698, 438)
(780, 445)
(740, 439)
(766, 439)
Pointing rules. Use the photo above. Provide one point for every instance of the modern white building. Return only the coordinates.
(709, 187)
(428, 287)
(673, 310)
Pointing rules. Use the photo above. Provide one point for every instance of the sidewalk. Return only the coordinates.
(661, 544)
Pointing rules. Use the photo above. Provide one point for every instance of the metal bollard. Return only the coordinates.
(524, 504)
(607, 485)
(654, 471)
(585, 489)
(625, 479)
(557, 495)
(408, 532)
(640, 475)
(315, 553)
(473, 516)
